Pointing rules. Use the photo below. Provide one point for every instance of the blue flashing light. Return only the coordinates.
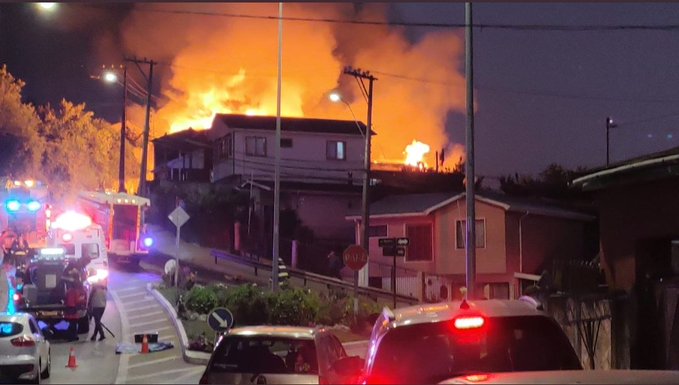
(13, 205)
(11, 309)
(33, 206)
(148, 242)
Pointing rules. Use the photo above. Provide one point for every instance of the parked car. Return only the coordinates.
(608, 377)
(280, 355)
(24, 351)
(434, 342)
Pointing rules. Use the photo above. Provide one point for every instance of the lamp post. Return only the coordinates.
(361, 76)
(609, 125)
(111, 77)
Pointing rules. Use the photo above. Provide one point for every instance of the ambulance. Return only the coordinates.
(80, 237)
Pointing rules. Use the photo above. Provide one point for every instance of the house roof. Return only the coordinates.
(395, 206)
(289, 124)
(658, 165)
(184, 140)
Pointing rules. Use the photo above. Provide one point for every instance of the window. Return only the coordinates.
(420, 247)
(286, 142)
(335, 150)
(461, 234)
(90, 250)
(264, 354)
(255, 146)
(225, 147)
(378, 231)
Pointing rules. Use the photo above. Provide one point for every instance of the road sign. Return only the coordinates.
(386, 242)
(178, 216)
(355, 257)
(400, 251)
(403, 241)
(220, 319)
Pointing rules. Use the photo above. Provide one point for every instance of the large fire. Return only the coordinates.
(415, 153)
(229, 65)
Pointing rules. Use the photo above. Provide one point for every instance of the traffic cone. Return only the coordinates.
(71, 359)
(145, 344)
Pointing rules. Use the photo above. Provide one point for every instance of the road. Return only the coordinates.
(97, 361)
(130, 302)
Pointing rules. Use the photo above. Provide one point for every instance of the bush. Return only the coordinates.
(248, 303)
(294, 307)
(201, 299)
(361, 322)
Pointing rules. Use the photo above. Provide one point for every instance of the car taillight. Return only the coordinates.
(469, 322)
(22, 342)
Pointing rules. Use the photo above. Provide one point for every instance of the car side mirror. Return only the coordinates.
(349, 366)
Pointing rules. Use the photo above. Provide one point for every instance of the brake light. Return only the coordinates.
(467, 322)
(22, 342)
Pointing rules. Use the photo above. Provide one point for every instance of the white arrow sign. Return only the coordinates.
(222, 322)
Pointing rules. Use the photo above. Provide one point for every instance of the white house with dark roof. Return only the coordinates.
(516, 240)
(317, 151)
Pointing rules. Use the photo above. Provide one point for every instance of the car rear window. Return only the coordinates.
(9, 329)
(262, 355)
(433, 352)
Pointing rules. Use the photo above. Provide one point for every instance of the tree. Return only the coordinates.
(20, 145)
(78, 151)
(553, 182)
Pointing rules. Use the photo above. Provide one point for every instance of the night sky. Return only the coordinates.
(543, 96)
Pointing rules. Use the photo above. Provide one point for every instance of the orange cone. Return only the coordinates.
(71, 359)
(145, 344)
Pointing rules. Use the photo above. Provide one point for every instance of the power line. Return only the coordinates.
(515, 27)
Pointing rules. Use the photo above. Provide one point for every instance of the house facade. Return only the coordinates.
(185, 156)
(515, 242)
(312, 150)
(639, 227)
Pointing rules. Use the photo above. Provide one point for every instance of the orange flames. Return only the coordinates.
(229, 65)
(415, 153)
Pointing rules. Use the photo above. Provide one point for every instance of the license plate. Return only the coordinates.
(49, 313)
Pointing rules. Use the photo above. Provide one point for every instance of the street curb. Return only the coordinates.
(189, 356)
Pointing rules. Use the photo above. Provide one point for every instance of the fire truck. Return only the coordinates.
(121, 217)
(26, 210)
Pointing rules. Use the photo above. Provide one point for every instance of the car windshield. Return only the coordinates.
(264, 355)
(429, 353)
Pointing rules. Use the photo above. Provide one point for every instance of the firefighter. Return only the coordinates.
(75, 298)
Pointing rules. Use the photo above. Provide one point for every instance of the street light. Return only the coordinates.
(335, 97)
(609, 125)
(46, 6)
(110, 76)
(368, 94)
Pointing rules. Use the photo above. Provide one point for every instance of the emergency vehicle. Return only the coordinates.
(79, 237)
(25, 210)
(121, 216)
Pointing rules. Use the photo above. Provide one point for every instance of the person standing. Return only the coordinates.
(97, 307)
(334, 265)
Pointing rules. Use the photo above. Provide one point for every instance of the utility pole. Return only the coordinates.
(121, 163)
(147, 128)
(609, 125)
(368, 94)
(470, 243)
(277, 167)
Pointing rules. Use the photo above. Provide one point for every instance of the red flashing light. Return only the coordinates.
(469, 322)
(67, 237)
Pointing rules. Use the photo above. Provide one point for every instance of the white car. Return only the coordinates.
(279, 355)
(24, 351)
(607, 377)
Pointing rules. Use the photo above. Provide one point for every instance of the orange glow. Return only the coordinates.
(230, 66)
(415, 153)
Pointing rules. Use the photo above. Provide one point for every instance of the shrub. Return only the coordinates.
(248, 303)
(201, 299)
(294, 307)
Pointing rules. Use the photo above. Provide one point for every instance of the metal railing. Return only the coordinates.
(315, 281)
